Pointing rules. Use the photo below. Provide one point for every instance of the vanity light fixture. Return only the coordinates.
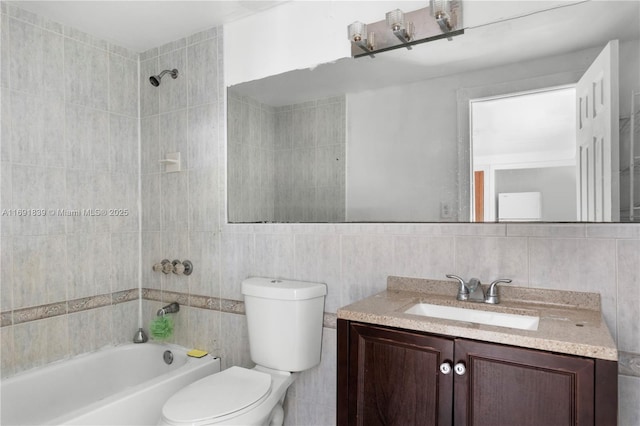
(442, 19)
(403, 31)
(359, 37)
(440, 10)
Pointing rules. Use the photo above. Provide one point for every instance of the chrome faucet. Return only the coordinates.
(473, 291)
(171, 308)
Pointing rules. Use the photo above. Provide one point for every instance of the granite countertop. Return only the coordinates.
(570, 322)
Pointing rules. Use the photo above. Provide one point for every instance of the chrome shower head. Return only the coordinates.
(155, 79)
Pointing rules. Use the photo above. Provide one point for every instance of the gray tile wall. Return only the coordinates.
(181, 211)
(310, 162)
(286, 164)
(251, 158)
(69, 142)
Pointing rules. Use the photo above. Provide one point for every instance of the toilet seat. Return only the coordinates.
(232, 390)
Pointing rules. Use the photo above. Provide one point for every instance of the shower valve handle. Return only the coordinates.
(164, 266)
(167, 266)
(178, 267)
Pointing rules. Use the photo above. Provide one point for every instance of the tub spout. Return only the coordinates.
(171, 308)
(140, 337)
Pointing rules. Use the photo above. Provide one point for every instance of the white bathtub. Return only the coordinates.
(121, 385)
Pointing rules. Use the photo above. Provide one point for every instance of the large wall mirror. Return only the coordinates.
(502, 123)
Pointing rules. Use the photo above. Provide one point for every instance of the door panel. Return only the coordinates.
(505, 386)
(598, 138)
(398, 378)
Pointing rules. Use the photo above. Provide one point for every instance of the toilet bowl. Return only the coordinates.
(236, 396)
(284, 321)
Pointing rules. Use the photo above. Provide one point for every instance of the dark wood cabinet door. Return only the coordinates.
(506, 386)
(394, 378)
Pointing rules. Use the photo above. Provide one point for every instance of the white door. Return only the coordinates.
(597, 139)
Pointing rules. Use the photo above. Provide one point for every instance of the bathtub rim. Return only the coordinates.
(191, 364)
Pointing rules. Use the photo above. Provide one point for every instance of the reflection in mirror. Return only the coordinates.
(523, 152)
(286, 163)
(390, 139)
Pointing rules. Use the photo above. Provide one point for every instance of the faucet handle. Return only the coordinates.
(463, 290)
(492, 291)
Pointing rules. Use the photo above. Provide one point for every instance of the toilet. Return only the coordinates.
(284, 320)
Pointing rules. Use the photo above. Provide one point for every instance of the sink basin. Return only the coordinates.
(500, 319)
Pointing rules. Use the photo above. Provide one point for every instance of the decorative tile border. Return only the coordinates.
(232, 306)
(628, 363)
(202, 302)
(39, 312)
(125, 296)
(87, 303)
(34, 313)
(330, 320)
(228, 306)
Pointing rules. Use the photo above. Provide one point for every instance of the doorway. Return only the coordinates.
(524, 147)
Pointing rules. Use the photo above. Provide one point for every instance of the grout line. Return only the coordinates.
(139, 200)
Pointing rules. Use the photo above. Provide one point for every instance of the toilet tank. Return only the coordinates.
(284, 320)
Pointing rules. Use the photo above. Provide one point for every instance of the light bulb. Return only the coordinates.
(395, 20)
(438, 8)
(357, 31)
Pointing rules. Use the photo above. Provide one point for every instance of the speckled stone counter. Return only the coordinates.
(570, 322)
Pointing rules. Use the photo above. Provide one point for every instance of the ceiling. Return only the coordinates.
(142, 25)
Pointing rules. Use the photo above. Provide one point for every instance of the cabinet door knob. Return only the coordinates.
(460, 369)
(445, 368)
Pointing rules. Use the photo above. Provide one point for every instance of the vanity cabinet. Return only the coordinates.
(390, 376)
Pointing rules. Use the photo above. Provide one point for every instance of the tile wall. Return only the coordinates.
(310, 161)
(183, 217)
(251, 181)
(69, 165)
(181, 211)
(287, 163)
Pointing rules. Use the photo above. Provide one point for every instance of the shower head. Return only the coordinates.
(155, 79)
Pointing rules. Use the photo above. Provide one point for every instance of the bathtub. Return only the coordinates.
(121, 385)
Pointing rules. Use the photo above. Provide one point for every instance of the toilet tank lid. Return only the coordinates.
(269, 288)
